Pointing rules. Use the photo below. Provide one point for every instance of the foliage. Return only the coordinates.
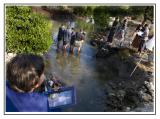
(149, 13)
(26, 32)
(136, 12)
(89, 10)
(146, 11)
(83, 25)
(102, 13)
(83, 10)
(101, 16)
(79, 10)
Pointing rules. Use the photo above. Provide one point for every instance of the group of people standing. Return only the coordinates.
(118, 29)
(71, 38)
(141, 34)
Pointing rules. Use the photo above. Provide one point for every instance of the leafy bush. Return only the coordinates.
(102, 13)
(101, 17)
(83, 25)
(134, 11)
(89, 10)
(26, 31)
(83, 10)
(79, 10)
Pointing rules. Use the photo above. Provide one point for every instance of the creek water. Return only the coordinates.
(83, 71)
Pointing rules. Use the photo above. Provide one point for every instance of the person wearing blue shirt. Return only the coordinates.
(24, 84)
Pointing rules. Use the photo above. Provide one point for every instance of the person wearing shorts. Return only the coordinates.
(80, 38)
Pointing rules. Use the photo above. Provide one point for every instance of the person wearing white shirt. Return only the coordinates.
(144, 38)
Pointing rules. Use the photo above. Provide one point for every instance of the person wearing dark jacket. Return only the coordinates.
(66, 38)
(60, 36)
(72, 41)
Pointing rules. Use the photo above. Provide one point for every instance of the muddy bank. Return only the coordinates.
(126, 93)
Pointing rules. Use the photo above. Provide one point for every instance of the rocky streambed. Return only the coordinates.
(125, 93)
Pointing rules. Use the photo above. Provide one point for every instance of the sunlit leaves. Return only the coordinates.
(26, 32)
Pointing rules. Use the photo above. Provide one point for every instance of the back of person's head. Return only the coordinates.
(72, 28)
(139, 27)
(146, 25)
(24, 71)
(117, 18)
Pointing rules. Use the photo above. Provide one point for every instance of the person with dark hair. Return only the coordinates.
(25, 79)
(60, 36)
(80, 37)
(144, 38)
(66, 38)
(72, 41)
(113, 30)
(25, 73)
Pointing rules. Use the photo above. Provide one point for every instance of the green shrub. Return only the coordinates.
(81, 24)
(79, 10)
(83, 10)
(101, 17)
(26, 31)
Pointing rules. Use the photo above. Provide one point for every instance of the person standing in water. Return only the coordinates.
(80, 37)
(60, 35)
(66, 38)
(72, 41)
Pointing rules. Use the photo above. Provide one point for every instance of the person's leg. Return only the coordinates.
(64, 48)
(79, 49)
(58, 46)
(80, 45)
(64, 45)
(71, 48)
(141, 46)
(58, 42)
